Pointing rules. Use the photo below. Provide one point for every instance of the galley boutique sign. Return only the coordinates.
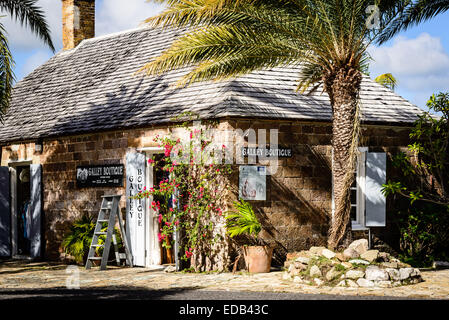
(135, 208)
(267, 153)
(99, 176)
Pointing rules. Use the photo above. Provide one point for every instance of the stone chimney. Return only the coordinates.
(78, 22)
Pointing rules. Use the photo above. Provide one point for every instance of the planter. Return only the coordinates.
(258, 258)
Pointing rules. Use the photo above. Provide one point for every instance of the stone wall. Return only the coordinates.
(295, 215)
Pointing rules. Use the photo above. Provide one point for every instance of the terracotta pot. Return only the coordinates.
(258, 258)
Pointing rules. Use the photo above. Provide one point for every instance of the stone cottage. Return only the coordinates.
(86, 108)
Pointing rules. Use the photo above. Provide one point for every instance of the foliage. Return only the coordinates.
(79, 238)
(387, 80)
(243, 220)
(424, 182)
(190, 200)
(424, 234)
(30, 15)
(426, 170)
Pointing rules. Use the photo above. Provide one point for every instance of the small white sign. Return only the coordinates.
(253, 183)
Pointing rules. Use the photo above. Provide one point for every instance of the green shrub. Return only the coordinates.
(79, 238)
(424, 234)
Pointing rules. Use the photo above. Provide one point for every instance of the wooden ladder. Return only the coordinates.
(109, 210)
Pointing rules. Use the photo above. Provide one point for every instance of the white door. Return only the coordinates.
(135, 208)
(153, 257)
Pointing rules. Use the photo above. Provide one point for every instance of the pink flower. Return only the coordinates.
(176, 222)
(159, 218)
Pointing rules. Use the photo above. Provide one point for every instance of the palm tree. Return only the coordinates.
(327, 38)
(387, 80)
(30, 15)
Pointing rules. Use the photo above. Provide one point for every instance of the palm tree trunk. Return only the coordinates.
(344, 89)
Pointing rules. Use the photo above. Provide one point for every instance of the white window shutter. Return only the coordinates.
(375, 202)
(135, 208)
(5, 213)
(36, 210)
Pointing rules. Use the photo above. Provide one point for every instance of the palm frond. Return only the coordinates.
(387, 80)
(410, 13)
(29, 14)
(242, 221)
(6, 73)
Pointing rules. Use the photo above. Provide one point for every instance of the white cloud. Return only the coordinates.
(118, 15)
(420, 64)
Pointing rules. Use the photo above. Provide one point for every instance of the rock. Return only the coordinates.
(170, 269)
(294, 272)
(394, 274)
(299, 265)
(332, 274)
(342, 283)
(383, 257)
(370, 255)
(315, 272)
(358, 261)
(298, 279)
(362, 282)
(316, 250)
(327, 253)
(354, 274)
(416, 273)
(383, 284)
(361, 246)
(440, 265)
(350, 254)
(347, 265)
(389, 264)
(304, 260)
(403, 265)
(374, 273)
(340, 256)
(286, 276)
(405, 273)
(351, 283)
(318, 281)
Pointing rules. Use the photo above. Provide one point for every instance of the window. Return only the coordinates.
(358, 192)
(366, 190)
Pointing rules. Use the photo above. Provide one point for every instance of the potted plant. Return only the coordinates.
(244, 221)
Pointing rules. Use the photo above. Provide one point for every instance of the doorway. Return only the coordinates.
(26, 209)
(157, 254)
(23, 210)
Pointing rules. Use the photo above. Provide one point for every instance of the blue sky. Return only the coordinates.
(418, 58)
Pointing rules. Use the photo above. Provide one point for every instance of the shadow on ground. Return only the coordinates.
(188, 293)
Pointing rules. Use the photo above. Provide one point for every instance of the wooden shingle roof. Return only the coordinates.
(94, 87)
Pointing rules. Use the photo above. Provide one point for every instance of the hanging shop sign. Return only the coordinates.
(253, 183)
(99, 176)
(266, 153)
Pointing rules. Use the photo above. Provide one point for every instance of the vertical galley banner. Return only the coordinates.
(253, 183)
(135, 208)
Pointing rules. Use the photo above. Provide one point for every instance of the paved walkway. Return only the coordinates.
(19, 275)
